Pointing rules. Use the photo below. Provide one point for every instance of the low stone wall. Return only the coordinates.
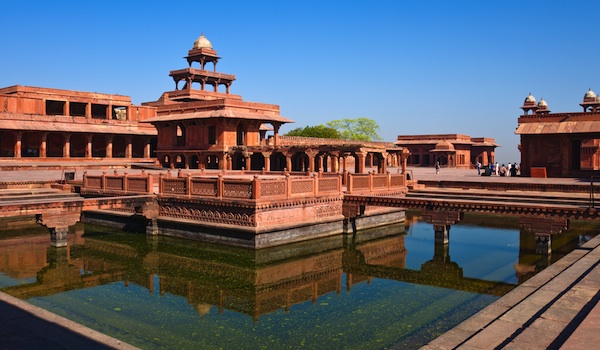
(513, 186)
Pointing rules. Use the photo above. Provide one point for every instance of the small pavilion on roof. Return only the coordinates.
(560, 144)
(203, 127)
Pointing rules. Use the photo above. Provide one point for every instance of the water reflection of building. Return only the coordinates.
(252, 282)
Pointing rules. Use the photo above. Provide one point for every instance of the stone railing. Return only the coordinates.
(316, 141)
(115, 183)
(376, 183)
(256, 188)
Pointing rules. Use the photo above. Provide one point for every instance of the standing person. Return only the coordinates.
(513, 170)
(478, 168)
(508, 169)
(437, 167)
(496, 167)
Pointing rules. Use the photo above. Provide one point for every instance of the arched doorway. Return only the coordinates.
(194, 162)
(238, 161)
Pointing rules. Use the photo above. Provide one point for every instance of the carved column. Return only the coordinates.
(58, 224)
(383, 165)
(88, 146)
(109, 112)
(248, 160)
(359, 167)
(321, 163)
(311, 153)
(267, 156)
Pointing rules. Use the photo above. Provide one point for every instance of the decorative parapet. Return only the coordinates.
(256, 188)
(376, 183)
(117, 183)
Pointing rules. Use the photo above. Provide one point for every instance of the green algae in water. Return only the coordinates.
(386, 291)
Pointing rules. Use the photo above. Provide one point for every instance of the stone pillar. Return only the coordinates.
(543, 244)
(383, 165)
(66, 108)
(58, 224)
(359, 166)
(17, 146)
(88, 146)
(288, 162)
(129, 147)
(276, 127)
(88, 111)
(248, 160)
(109, 112)
(43, 145)
(370, 160)
(267, 156)
(442, 234)
(335, 163)
(109, 146)
(67, 146)
(321, 163)
(147, 149)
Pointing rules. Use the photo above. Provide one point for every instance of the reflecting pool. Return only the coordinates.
(390, 287)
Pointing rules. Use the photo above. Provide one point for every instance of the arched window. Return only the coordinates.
(241, 134)
(180, 135)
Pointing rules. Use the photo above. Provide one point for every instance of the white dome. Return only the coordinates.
(202, 42)
(590, 94)
(542, 104)
(530, 99)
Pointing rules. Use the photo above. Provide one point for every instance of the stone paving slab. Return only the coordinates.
(557, 308)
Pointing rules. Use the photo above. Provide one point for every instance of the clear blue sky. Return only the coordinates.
(415, 67)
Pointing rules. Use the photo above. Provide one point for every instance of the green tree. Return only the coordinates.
(360, 129)
(321, 131)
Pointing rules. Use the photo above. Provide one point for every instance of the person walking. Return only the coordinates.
(497, 168)
(508, 169)
(478, 168)
(437, 167)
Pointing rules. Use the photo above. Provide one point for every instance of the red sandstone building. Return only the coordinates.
(45, 124)
(560, 144)
(201, 127)
(451, 150)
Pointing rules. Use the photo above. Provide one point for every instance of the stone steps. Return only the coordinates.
(541, 313)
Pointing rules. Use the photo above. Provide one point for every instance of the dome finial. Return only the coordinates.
(202, 43)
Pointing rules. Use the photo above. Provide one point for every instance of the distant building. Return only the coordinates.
(40, 124)
(451, 150)
(560, 144)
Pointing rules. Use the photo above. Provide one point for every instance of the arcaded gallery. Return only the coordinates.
(560, 144)
(43, 124)
(450, 150)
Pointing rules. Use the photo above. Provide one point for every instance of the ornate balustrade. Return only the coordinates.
(115, 183)
(255, 188)
(363, 183)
